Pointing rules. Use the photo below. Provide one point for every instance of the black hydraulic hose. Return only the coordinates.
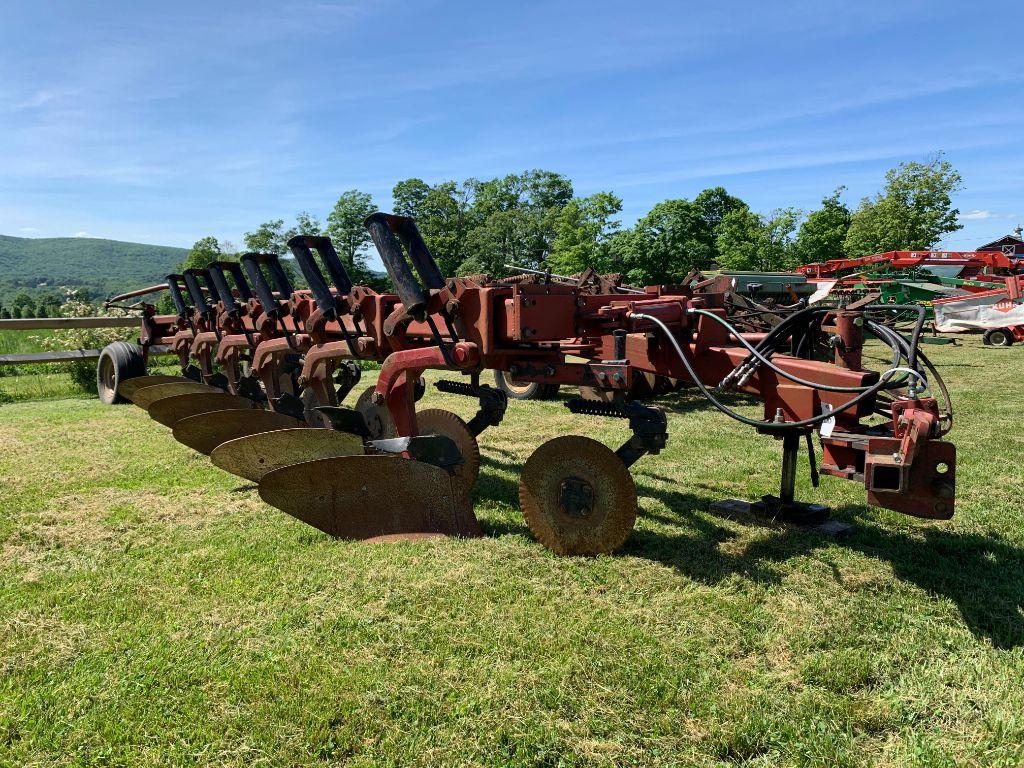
(766, 361)
(918, 326)
(772, 426)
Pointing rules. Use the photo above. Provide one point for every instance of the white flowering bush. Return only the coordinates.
(83, 372)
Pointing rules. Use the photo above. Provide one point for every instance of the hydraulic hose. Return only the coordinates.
(771, 426)
(764, 359)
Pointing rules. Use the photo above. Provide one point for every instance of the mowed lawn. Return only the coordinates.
(154, 612)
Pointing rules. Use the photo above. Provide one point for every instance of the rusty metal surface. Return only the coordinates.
(437, 421)
(577, 496)
(927, 489)
(129, 387)
(144, 397)
(378, 417)
(170, 410)
(368, 497)
(206, 431)
(254, 456)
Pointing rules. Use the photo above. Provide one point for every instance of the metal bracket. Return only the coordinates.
(649, 425)
(493, 403)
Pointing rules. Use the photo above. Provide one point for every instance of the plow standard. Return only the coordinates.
(266, 368)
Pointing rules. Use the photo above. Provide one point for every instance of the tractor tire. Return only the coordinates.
(524, 390)
(118, 362)
(998, 337)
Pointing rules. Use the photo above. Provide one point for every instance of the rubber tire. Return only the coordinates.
(118, 362)
(1004, 336)
(527, 391)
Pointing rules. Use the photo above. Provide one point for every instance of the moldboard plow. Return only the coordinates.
(266, 368)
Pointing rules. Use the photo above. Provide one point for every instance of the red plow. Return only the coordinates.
(266, 368)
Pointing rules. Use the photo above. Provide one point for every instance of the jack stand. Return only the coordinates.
(784, 508)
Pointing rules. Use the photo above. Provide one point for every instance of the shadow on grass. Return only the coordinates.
(982, 574)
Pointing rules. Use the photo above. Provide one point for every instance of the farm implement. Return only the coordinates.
(266, 368)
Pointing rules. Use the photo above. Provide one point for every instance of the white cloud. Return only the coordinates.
(29, 229)
(82, 234)
(977, 214)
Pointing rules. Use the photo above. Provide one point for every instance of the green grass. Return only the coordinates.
(155, 612)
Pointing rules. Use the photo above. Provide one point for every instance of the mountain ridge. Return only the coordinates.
(48, 265)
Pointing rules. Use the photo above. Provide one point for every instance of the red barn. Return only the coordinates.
(1011, 245)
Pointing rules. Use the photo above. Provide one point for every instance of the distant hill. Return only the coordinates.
(104, 267)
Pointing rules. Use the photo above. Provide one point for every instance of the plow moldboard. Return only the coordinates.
(144, 397)
(254, 456)
(129, 387)
(367, 497)
(170, 410)
(206, 431)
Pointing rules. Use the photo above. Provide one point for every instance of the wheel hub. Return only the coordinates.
(576, 497)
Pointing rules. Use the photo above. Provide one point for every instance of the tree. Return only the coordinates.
(21, 303)
(443, 216)
(5, 313)
(913, 211)
(665, 244)
(822, 235)
(747, 241)
(305, 224)
(347, 232)
(713, 205)
(203, 253)
(583, 230)
(512, 220)
(268, 237)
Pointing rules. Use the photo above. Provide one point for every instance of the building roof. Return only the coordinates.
(1004, 240)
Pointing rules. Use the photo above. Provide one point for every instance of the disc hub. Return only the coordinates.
(576, 497)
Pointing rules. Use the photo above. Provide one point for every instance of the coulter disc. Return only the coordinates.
(577, 496)
(367, 497)
(170, 410)
(205, 431)
(146, 396)
(128, 387)
(254, 456)
(436, 421)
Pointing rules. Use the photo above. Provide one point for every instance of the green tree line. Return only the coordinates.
(534, 219)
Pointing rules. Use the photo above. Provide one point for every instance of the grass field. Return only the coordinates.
(154, 612)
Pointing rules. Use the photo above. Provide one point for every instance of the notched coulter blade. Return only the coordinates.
(254, 456)
(170, 410)
(369, 497)
(206, 431)
(144, 397)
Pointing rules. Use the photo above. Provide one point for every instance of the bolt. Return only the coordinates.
(378, 398)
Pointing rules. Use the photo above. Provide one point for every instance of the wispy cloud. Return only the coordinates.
(82, 234)
(28, 230)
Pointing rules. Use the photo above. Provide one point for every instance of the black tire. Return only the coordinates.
(524, 390)
(118, 362)
(999, 337)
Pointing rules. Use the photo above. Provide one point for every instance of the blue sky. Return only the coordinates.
(163, 122)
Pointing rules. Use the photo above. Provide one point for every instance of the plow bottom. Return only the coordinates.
(144, 397)
(205, 431)
(128, 387)
(170, 410)
(255, 456)
(371, 497)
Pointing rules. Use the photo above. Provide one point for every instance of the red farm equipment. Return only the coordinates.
(266, 368)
